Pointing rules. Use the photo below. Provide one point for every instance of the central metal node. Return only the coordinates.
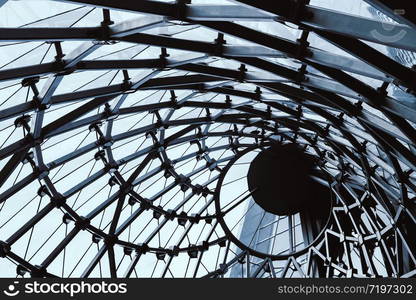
(281, 178)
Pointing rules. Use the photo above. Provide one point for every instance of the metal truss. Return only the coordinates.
(122, 176)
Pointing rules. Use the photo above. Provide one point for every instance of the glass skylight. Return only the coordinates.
(127, 129)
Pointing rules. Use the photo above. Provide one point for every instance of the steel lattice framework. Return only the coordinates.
(119, 173)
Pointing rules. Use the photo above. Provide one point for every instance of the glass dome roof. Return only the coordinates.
(127, 129)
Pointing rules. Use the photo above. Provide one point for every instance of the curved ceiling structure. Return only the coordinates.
(128, 131)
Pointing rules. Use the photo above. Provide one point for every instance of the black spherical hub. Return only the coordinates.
(283, 208)
(280, 178)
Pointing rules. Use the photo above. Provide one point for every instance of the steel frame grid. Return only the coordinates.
(375, 207)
